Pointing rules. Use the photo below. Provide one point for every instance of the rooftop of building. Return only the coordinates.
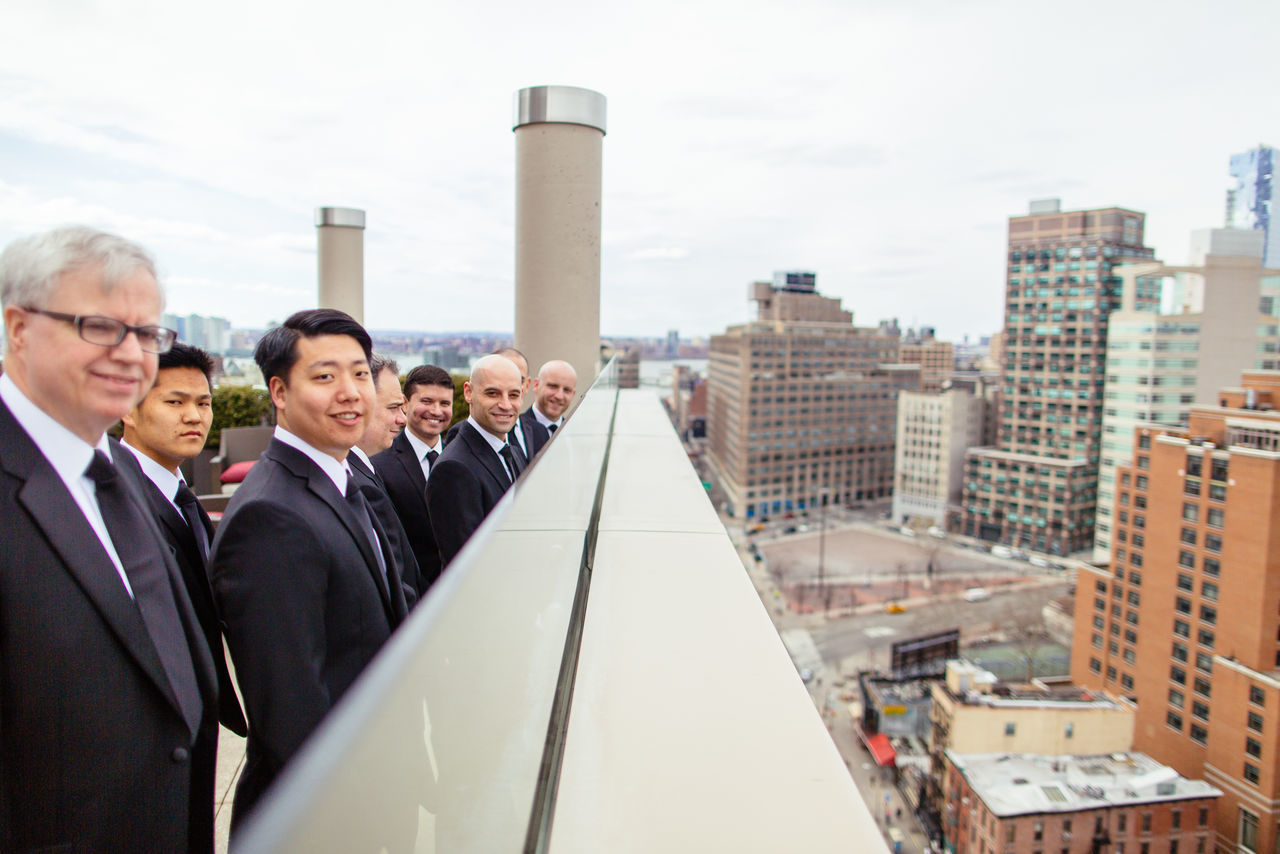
(973, 685)
(1012, 784)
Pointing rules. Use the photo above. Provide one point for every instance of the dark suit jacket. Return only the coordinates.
(535, 435)
(173, 525)
(375, 492)
(303, 601)
(94, 752)
(407, 488)
(466, 482)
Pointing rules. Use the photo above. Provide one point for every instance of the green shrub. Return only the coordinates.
(239, 406)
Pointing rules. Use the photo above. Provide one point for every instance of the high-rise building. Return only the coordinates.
(1251, 196)
(1158, 365)
(934, 432)
(1186, 619)
(801, 404)
(1037, 489)
(936, 358)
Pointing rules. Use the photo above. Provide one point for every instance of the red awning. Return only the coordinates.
(881, 750)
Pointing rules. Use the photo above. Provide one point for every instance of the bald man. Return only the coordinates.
(478, 465)
(553, 393)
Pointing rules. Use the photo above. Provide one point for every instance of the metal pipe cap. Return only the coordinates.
(567, 105)
(341, 217)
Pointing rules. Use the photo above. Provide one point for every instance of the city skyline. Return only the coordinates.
(883, 148)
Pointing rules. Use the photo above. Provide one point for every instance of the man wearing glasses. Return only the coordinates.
(107, 688)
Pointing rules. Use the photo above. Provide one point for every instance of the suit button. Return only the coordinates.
(181, 754)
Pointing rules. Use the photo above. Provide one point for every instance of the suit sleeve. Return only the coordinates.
(456, 506)
(270, 580)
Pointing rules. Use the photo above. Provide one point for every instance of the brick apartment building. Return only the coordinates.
(1186, 618)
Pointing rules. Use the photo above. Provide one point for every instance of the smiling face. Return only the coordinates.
(388, 415)
(328, 396)
(172, 421)
(557, 382)
(84, 387)
(430, 411)
(494, 393)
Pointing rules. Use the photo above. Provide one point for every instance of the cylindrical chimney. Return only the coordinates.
(559, 140)
(340, 250)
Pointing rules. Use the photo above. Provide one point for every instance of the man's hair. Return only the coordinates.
(426, 375)
(185, 356)
(277, 351)
(378, 364)
(512, 351)
(31, 267)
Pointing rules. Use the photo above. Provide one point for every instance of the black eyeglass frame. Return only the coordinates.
(164, 337)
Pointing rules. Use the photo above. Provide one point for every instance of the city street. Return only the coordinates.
(836, 635)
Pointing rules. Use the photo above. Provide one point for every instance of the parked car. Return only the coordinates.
(906, 532)
(937, 533)
(1036, 560)
(977, 594)
(894, 608)
(1002, 551)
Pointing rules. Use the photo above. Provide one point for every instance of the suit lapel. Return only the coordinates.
(319, 484)
(488, 458)
(173, 521)
(412, 466)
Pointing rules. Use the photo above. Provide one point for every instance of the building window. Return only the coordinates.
(1038, 831)
(1248, 830)
(1199, 734)
(1213, 542)
(1146, 822)
(1201, 686)
(1189, 536)
(1177, 674)
(1010, 833)
(1211, 567)
(1257, 696)
(1071, 731)
(1175, 698)
(1255, 722)
(1253, 747)
(1174, 720)
(1126, 681)
(1203, 820)
(1122, 823)
(1182, 628)
(1190, 511)
(1179, 651)
(1010, 728)
(1199, 710)
(1251, 773)
(1216, 517)
(1209, 615)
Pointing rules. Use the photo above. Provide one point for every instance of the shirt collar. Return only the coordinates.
(420, 448)
(166, 481)
(544, 420)
(364, 458)
(66, 452)
(495, 442)
(335, 469)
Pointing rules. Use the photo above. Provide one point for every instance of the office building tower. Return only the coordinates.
(1158, 365)
(801, 404)
(1186, 619)
(1251, 197)
(934, 431)
(936, 358)
(1037, 488)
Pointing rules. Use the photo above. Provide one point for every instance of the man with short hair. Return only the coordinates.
(304, 574)
(384, 426)
(553, 392)
(107, 690)
(528, 436)
(168, 426)
(479, 465)
(405, 467)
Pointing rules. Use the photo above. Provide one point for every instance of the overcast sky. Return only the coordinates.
(881, 143)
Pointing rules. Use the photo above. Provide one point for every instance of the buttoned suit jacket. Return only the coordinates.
(466, 482)
(407, 488)
(534, 431)
(375, 492)
(94, 752)
(304, 604)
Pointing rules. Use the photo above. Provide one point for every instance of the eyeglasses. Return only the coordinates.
(109, 332)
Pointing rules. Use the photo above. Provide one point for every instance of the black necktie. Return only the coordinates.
(551, 428)
(189, 504)
(509, 457)
(152, 590)
(431, 459)
(365, 517)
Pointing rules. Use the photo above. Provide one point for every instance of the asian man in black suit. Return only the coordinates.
(305, 580)
(406, 466)
(107, 688)
(478, 466)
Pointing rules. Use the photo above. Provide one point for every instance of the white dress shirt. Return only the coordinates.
(335, 469)
(70, 457)
(166, 481)
(545, 421)
(421, 449)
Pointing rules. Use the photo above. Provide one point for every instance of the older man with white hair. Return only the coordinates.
(108, 699)
(478, 465)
